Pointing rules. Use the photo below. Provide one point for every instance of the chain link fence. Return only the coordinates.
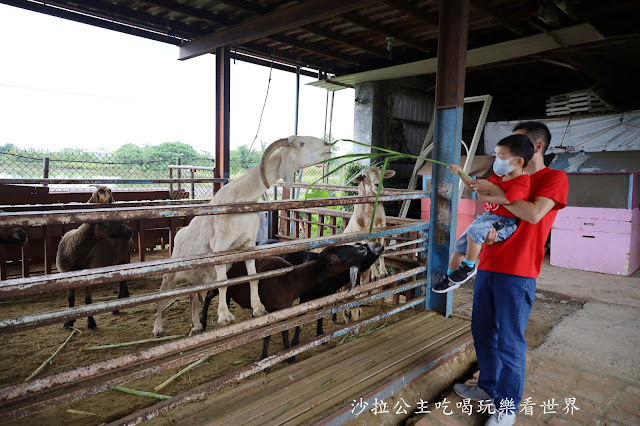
(77, 164)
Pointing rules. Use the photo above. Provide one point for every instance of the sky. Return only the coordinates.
(69, 85)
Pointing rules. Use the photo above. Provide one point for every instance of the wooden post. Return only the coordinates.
(48, 253)
(170, 184)
(193, 185)
(179, 162)
(141, 248)
(3, 264)
(45, 169)
(25, 260)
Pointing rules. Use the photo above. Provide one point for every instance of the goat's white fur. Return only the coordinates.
(207, 234)
(368, 182)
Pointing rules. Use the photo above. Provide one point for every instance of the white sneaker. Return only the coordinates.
(501, 418)
(472, 392)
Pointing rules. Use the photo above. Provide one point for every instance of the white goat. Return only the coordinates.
(207, 234)
(368, 182)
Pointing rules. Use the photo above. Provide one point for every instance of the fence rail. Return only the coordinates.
(23, 399)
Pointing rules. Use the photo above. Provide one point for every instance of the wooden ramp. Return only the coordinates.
(323, 387)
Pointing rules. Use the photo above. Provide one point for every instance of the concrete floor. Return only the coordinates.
(606, 331)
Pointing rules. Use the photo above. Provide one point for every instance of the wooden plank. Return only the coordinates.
(333, 396)
(355, 364)
(270, 386)
(366, 388)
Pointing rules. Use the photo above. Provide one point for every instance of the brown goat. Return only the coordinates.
(280, 292)
(95, 245)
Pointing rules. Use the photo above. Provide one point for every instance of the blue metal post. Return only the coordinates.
(444, 204)
(452, 46)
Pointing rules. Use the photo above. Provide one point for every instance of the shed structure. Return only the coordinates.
(519, 51)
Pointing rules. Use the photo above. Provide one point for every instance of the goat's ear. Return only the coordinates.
(357, 178)
(389, 174)
(287, 171)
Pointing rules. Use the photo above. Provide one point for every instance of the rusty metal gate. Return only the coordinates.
(308, 216)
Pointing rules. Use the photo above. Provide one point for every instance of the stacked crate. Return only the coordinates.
(599, 230)
(583, 101)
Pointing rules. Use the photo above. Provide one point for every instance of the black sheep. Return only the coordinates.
(280, 292)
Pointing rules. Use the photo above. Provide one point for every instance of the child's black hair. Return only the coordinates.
(520, 146)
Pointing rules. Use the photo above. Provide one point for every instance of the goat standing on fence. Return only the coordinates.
(368, 182)
(212, 234)
(95, 245)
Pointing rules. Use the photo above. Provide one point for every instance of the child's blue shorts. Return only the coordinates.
(480, 227)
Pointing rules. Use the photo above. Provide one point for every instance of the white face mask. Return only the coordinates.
(502, 167)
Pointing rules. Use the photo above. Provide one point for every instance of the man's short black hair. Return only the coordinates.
(536, 130)
(520, 146)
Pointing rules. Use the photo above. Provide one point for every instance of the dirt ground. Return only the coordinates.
(22, 353)
(548, 310)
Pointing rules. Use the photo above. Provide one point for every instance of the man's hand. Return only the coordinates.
(484, 187)
(492, 236)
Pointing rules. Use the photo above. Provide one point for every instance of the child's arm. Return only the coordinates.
(455, 169)
(500, 200)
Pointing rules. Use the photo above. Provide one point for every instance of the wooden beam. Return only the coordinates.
(190, 11)
(347, 41)
(413, 11)
(260, 50)
(386, 31)
(269, 24)
(317, 50)
(91, 20)
(499, 17)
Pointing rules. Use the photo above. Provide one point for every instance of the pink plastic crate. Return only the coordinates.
(597, 239)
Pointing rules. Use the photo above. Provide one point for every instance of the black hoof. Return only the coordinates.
(91, 325)
(68, 325)
(292, 360)
(115, 312)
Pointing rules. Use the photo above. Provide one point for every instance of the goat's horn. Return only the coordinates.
(265, 157)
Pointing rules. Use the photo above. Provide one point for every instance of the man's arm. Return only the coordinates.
(531, 212)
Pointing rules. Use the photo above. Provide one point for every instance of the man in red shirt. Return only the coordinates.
(505, 284)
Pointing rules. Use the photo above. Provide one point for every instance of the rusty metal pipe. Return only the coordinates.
(47, 318)
(54, 382)
(76, 279)
(105, 181)
(201, 391)
(25, 219)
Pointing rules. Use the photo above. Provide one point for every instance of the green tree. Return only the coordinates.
(128, 152)
(169, 151)
(246, 158)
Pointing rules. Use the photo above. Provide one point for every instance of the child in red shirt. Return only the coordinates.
(512, 156)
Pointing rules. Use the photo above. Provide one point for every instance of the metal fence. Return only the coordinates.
(21, 399)
(77, 164)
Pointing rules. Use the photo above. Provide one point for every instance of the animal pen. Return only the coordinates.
(374, 368)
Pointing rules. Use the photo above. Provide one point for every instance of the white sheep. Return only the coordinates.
(368, 182)
(212, 234)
